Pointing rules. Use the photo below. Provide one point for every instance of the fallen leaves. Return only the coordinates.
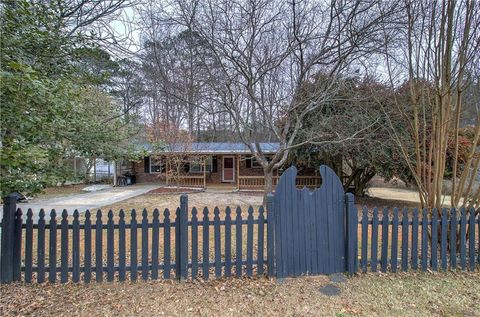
(364, 295)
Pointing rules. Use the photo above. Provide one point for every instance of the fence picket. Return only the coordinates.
(310, 227)
(122, 252)
(238, 229)
(228, 242)
(155, 243)
(29, 246)
(261, 238)
(194, 243)
(424, 240)
(463, 236)
(434, 237)
(415, 239)
(206, 245)
(110, 247)
(17, 248)
(177, 243)
(471, 240)
(453, 238)
(270, 235)
(443, 243)
(99, 247)
(384, 254)
(217, 246)
(64, 248)
(405, 240)
(355, 232)
(41, 247)
(166, 246)
(364, 239)
(394, 255)
(88, 248)
(133, 246)
(52, 251)
(309, 237)
(250, 242)
(183, 219)
(144, 245)
(76, 247)
(374, 246)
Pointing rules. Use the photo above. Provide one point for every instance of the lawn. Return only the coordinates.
(412, 294)
(61, 191)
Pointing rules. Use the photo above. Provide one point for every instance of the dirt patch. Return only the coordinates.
(61, 191)
(172, 190)
(422, 294)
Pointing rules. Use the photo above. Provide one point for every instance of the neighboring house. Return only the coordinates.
(204, 164)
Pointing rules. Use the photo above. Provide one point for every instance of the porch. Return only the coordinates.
(239, 172)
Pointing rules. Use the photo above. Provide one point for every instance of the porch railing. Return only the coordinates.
(189, 181)
(258, 182)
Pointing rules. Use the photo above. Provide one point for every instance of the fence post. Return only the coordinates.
(8, 241)
(183, 238)
(270, 236)
(352, 233)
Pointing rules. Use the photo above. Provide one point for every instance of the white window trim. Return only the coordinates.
(150, 167)
(254, 159)
(200, 164)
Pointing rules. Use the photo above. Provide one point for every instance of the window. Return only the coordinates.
(157, 165)
(196, 166)
(256, 164)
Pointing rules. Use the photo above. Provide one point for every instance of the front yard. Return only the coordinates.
(421, 294)
(224, 199)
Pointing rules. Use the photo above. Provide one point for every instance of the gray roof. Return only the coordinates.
(219, 148)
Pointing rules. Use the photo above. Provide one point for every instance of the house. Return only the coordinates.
(204, 164)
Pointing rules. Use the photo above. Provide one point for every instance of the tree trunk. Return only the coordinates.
(268, 175)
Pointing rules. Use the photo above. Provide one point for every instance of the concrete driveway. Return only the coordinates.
(84, 201)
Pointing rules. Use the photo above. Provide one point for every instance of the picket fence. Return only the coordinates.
(301, 232)
(141, 239)
(438, 240)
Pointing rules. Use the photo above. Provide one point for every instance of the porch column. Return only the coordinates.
(238, 171)
(204, 173)
(167, 164)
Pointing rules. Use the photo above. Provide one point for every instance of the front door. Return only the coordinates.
(228, 174)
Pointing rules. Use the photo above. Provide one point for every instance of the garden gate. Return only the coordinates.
(310, 226)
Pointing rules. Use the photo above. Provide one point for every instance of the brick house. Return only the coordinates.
(204, 164)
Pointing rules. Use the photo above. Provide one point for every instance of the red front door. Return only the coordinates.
(228, 169)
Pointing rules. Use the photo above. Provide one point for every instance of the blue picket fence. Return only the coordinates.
(301, 232)
(188, 244)
(416, 239)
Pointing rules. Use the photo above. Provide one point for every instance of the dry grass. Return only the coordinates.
(61, 191)
(421, 294)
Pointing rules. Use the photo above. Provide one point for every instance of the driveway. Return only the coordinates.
(87, 200)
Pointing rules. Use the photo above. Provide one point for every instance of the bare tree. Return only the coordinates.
(437, 51)
(267, 49)
(175, 63)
